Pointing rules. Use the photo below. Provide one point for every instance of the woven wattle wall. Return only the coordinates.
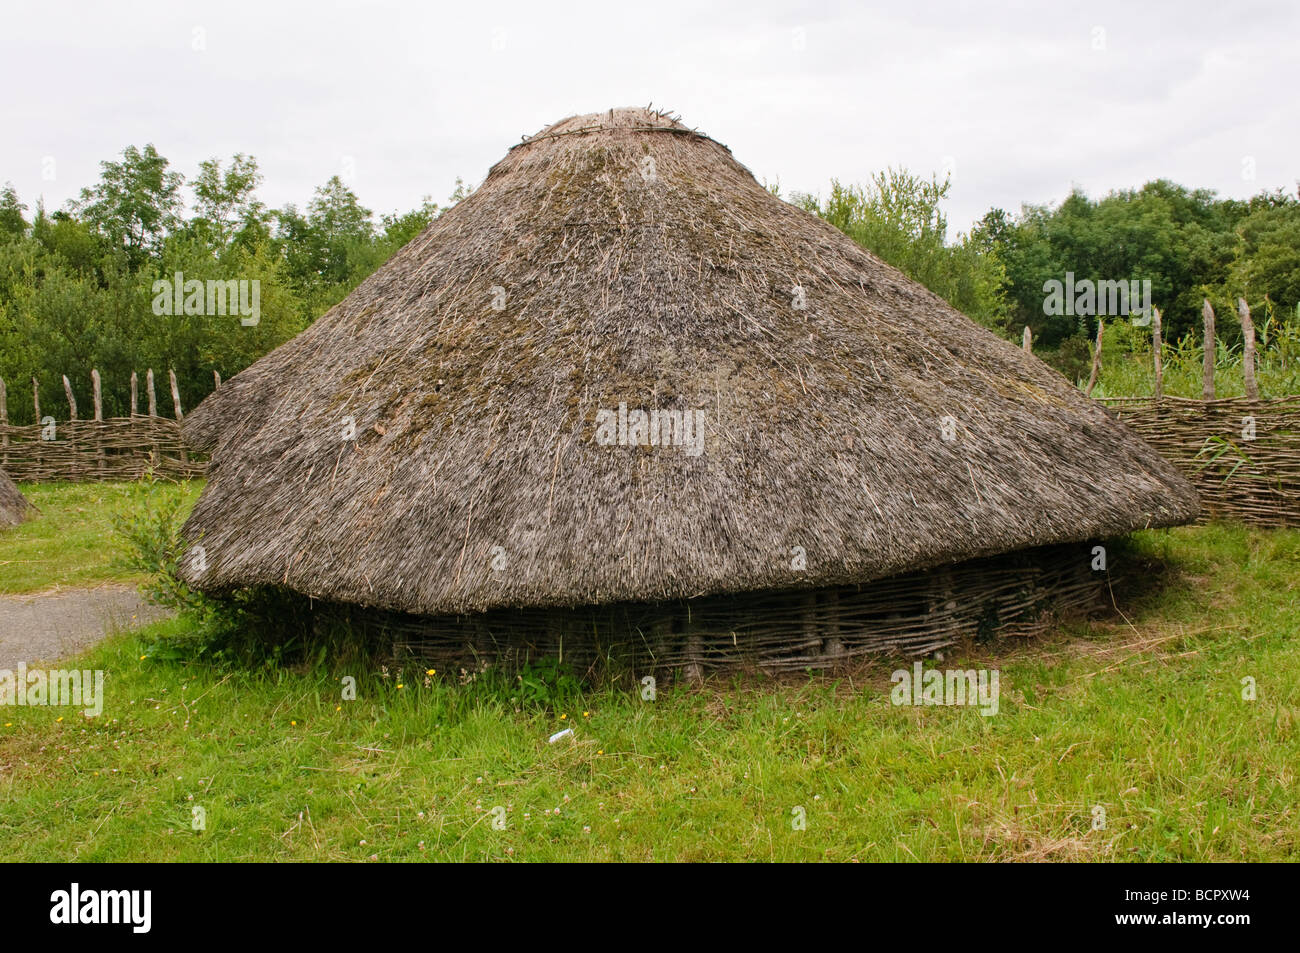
(119, 448)
(1246, 474)
(1017, 594)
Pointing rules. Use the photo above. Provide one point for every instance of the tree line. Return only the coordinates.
(77, 284)
(1188, 243)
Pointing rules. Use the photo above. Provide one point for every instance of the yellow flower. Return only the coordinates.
(338, 707)
(399, 685)
(586, 714)
(143, 657)
(562, 717)
(431, 671)
(293, 723)
(60, 718)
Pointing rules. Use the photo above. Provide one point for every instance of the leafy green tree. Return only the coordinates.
(225, 201)
(195, 345)
(1266, 259)
(74, 242)
(12, 223)
(322, 246)
(136, 202)
(337, 215)
(899, 218)
(1181, 240)
(398, 229)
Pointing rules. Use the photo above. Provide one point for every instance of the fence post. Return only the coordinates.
(1157, 352)
(180, 416)
(1096, 358)
(1248, 350)
(155, 456)
(1027, 341)
(4, 424)
(36, 406)
(72, 401)
(97, 394)
(216, 378)
(135, 394)
(1207, 365)
(72, 428)
(176, 395)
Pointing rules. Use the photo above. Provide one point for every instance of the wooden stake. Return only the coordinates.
(833, 645)
(4, 417)
(72, 401)
(176, 394)
(1096, 358)
(155, 455)
(135, 394)
(693, 671)
(1207, 367)
(36, 406)
(1157, 352)
(808, 612)
(176, 402)
(99, 416)
(1248, 350)
(1027, 341)
(216, 377)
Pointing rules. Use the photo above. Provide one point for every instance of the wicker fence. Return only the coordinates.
(116, 448)
(119, 448)
(1243, 455)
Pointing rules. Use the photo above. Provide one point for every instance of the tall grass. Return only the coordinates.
(1128, 367)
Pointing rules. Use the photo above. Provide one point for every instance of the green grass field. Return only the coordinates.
(1141, 717)
(72, 542)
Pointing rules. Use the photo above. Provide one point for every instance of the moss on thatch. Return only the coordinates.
(14, 507)
(856, 425)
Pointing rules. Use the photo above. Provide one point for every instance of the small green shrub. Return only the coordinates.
(150, 528)
(547, 683)
(257, 628)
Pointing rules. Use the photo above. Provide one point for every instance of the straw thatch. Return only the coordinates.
(856, 426)
(14, 507)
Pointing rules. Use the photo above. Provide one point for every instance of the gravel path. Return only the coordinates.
(48, 626)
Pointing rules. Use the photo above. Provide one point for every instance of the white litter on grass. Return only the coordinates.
(566, 733)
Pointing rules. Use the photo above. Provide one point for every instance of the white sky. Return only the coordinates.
(1012, 97)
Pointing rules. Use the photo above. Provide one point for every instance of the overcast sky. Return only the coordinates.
(1019, 101)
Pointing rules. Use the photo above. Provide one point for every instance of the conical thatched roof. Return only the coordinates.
(14, 507)
(635, 262)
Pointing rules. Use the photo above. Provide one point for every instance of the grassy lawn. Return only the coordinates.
(1145, 721)
(71, 542)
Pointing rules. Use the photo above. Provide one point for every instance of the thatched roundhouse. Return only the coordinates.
(14, 507)
(624, 392)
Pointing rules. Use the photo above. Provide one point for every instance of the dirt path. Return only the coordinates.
(47, 626)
